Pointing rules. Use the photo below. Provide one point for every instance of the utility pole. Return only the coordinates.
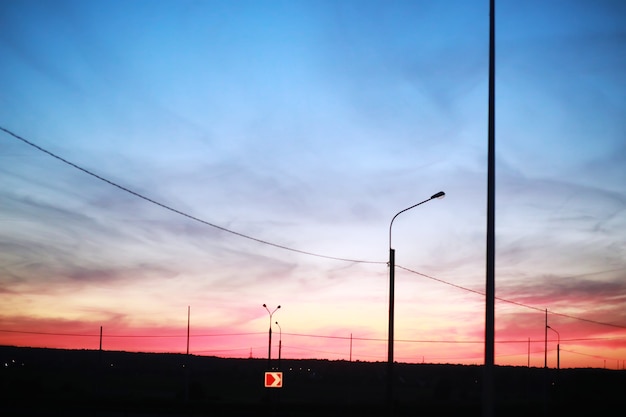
(545, 339)
(188, 317)
(490, 290)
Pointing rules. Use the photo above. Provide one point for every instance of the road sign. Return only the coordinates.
(273, 380)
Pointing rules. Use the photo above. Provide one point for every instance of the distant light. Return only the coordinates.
(439, 195)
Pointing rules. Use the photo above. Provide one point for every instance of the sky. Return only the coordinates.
(167, 165)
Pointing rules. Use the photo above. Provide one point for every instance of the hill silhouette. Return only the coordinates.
(46, 382)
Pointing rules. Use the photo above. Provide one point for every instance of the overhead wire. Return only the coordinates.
(216, 351)
(316, 336)
(177, 211)
(276, 245)
(618, 326)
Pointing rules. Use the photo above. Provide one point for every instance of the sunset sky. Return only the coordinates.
(160, 156)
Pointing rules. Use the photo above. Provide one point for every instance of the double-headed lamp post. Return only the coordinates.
(392, 265)
(269, 345)
(280, 342)
(558, 347)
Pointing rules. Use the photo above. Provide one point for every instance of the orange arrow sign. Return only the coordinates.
(273, 380)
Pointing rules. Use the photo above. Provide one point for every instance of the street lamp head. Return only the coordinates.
(277, 307)
(264, 306)
(440, 195)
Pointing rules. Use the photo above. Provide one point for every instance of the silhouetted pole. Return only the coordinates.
(269, 345)
(187, 365)
(545, 342)
(558, 347)
(100, 370)
(392, 265)
(545, 366)
(188, 317)
(351, 348)
(280, 342)
(490, 292)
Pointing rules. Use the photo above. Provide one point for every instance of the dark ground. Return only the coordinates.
(52, 382)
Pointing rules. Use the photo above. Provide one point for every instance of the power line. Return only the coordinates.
(182, 213)
(50, 333)
(227, 350)
(618, 326)
(226, 334)
(287, 347)
(317, 336)
(127, 335)
(584, 354)
(136, 194)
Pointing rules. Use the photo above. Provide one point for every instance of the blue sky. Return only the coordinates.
(308, 125)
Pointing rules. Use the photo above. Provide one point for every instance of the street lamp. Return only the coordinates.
(392, 265)
(269, 345)
(280, 342)
(558, 347)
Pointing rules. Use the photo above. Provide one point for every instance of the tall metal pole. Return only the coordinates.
(187, 365)
(545, 342)
(280, 343)
(269, 344)
(351, 348)
(188, 317)
(558, 346)
(488, 397)
(392, 267)
(269, 349)
(545, 366)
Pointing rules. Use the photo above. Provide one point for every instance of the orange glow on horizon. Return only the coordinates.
(608, 352)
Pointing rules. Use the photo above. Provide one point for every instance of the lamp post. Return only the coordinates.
(280, 342)
(545, 342)
(392, 265)
(558, 347)
(269, 345)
